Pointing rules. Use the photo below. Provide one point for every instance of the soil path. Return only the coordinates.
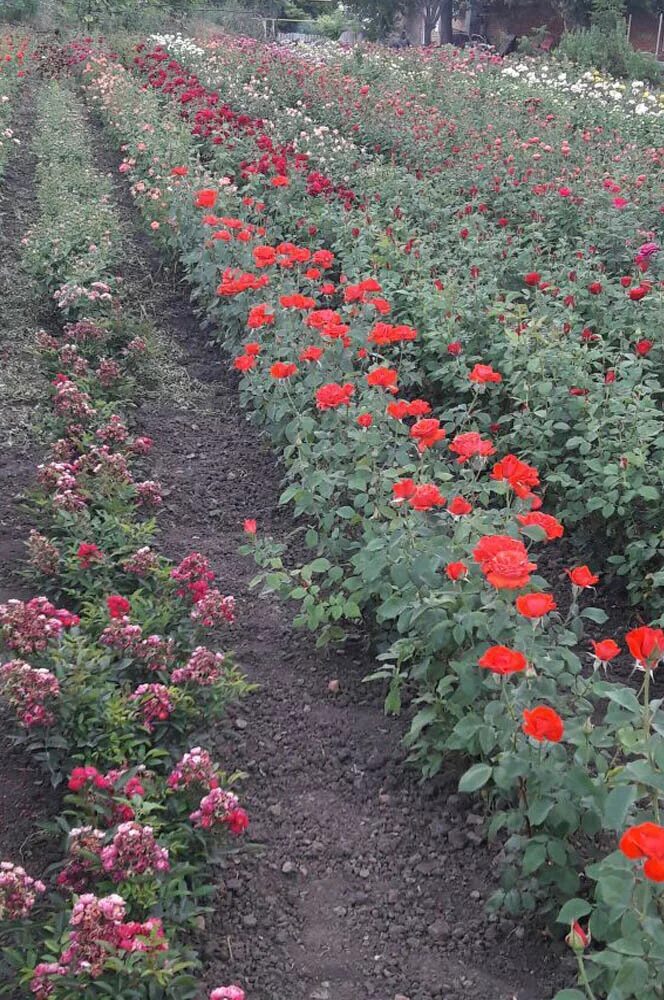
(366, 884)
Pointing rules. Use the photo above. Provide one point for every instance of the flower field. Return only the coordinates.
(438, 280)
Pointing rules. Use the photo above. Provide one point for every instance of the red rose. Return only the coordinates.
(646, 645)
(549, 525)
(581, 576)
(459, 507)
(332, 395)
(646, 841)
(207, 198)
(365, 420)
(281, 370)
(595, 288)
(425, 497)
(520, 476)
(250, 527)
(543, 724)
(606, 649)
(482, 374)
(470, 444)
(456, 570)
(244, 363)
(532, 278)
(502, 660)
(312, 354)
(535, 605)
(504, 561)
(427, 433)
(635, 294)
(384, 378)
(643, 347)
(403, 489)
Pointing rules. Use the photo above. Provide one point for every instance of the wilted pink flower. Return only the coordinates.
(149, 493)
(18, 891)
(213, 609)
(204, 667)
(195, 767)
(133, 851)
(155, 703)
(142, 562)
(28, 690)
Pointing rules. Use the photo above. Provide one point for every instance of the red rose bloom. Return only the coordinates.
(207, 198)
(646, 645)
(468, 445)
(645, 841)
(456, 570)
(459, 506)
(365, 420)
(520, 476)
(282, 369)
(403, 489)
(543, 724)
(606, 649)
(425, 497)
(482, 374)
(332, 395)
(427, 433)
(244, 363)
(550, 525)
(504, 561)
(384, 378)
(312, 354)
(532, 278)
(250, 527)
(502, 660)
(581, 576)
(535, 605)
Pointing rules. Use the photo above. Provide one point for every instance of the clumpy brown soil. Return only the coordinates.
(366, 884)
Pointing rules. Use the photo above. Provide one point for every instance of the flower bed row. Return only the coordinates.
(563, 759)
(521, 246)
(12, 56)
(107, 692)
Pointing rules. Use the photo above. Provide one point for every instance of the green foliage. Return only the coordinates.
(604, 46)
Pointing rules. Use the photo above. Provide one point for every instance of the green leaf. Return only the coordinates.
(321, 565)
(534, 857)
(539, 810)
(618, 804)
(595, 615)
(573, 909)
(569, 995)
(475, 777)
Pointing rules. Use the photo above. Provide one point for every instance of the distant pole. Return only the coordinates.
(659, 36)
(629, 26)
